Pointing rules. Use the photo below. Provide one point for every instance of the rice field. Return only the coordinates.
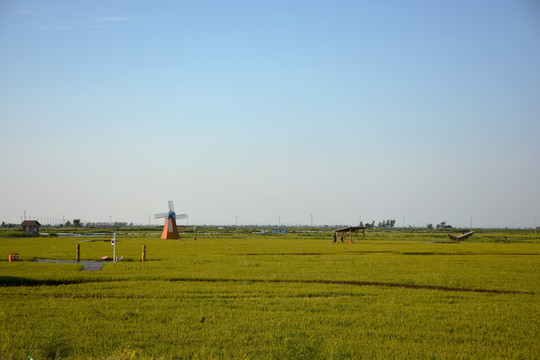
(294, 296)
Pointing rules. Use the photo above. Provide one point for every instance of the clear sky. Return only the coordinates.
(419, 111)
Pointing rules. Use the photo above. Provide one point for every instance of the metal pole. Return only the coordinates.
(114, 247)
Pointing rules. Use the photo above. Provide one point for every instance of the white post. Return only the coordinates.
(113, 241)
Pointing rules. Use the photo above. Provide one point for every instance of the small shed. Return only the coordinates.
(30, 227)
(279, 231)
(352, 229)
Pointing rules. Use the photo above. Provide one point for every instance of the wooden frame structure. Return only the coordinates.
(353, 229)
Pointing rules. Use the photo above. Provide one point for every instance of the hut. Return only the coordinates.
(30, 227)
(352, 229)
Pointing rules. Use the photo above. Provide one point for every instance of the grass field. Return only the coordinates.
(294, 296)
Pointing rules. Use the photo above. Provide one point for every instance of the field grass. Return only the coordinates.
(294, 296)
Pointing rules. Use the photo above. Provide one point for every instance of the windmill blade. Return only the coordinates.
(181, 216)
(161, 215)
(171, 206)
(170, 229)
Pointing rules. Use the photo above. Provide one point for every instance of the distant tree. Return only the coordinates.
(76, 223)
(67, 224)
(387, 223)
(429, 226)
(4, 224)
(443, 225)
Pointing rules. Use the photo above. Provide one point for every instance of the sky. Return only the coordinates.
(267, 112)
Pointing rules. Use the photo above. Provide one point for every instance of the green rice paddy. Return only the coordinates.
(401, 295)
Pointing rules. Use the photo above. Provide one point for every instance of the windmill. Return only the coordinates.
(170, 231)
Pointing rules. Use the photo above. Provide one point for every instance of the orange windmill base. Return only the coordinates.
(170, 231)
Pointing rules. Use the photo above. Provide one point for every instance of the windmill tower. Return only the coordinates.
(170, 231)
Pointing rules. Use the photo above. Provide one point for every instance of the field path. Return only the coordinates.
(87, 265)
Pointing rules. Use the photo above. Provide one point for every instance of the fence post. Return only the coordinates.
(78, 252)
(143, 253)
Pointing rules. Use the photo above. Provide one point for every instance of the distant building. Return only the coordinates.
(30, 227)
(279, 231)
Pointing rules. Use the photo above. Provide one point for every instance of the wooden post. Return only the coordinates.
(78, 252)
(143, 253)
(364, 235)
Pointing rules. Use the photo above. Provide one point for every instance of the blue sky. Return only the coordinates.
(419, 110)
